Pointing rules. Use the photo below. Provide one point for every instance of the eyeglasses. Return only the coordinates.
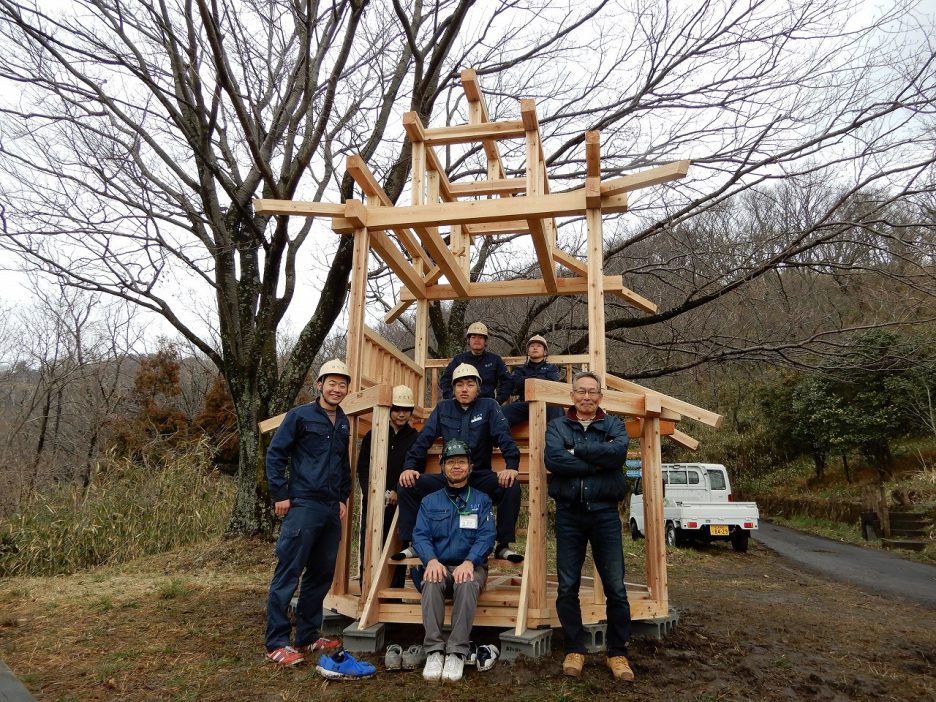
(461, 462)
(590, 392)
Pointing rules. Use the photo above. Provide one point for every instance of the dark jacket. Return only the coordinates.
(398, 446)
(514, 385)
(480, 425)
(490, 366)
(438, 533)
(317, 454)
(592, 477)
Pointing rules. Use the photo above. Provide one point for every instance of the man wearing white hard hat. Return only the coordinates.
(536, 367)
(400, 439)
(491, 368)
(479, 422)
(313, 442)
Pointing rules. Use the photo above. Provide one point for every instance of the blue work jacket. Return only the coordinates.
(514, 385)
(480, 425)
(439, 534)
(317, 455)
(593, 476)
(490, 366)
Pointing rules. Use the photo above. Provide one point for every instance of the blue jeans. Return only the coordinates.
(306, 553)
(576, 527)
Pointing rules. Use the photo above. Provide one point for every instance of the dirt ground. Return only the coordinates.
(188, 626)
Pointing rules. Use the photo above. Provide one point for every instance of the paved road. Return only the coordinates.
(873, 570)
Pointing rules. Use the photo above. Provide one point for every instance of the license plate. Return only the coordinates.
(718, 530)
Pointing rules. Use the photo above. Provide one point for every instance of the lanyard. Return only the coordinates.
(455, 501)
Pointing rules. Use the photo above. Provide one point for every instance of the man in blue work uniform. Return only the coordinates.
(491, 368)
(453, 536)
(585, 453)
(536, 367)
(479, 422)
(313, 442)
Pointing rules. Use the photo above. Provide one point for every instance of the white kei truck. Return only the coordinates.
(697, 506)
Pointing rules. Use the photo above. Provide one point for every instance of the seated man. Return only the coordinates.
(491, 368)
(536, 366)
(585, 453)
(478, 422)
(453, 536)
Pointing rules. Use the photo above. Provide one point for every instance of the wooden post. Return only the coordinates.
(652, 480)
(354, 359)
(371, 548)
(533, 584)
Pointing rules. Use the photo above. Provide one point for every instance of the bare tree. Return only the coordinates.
(140, 130)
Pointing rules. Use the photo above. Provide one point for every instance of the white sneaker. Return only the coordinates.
(434, 665)
(454, 668)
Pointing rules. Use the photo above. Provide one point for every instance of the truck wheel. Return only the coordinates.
(739, 540)
(635, 532)
(670, 534)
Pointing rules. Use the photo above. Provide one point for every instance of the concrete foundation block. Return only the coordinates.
(532, 643)
(369, 640)
(333, 623)
(597, 635)
(655, 628)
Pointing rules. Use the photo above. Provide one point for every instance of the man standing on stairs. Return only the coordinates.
(453, 536)
(492, 370)
(479, 422)
(536, 367)
(585, 453)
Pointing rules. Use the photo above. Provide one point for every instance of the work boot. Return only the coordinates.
(573, 664)
(620, 666)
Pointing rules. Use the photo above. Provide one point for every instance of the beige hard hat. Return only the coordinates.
(333, 367)
(477, 328)
(536, 338)
(403, 396)
(466, 370)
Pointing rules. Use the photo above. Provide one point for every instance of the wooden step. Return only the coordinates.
(906, 544)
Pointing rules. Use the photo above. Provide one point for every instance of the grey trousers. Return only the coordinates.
(464, 602)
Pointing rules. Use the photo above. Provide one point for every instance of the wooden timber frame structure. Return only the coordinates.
(494, 205)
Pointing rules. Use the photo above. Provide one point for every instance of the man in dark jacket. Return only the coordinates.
(537, 367)
(453, 536)
(313, 441)
(585, 452)
(491, 368)
(400, 439)
(480, 423)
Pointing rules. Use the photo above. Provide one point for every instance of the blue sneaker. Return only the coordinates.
(343, 666)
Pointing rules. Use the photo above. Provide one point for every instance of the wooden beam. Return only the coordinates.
(593, 154)
(517, 226)
(470, 133)
(398, 309)
(443, 257)
(671, 403)
(644, 179)
(376, 339)
(404, 270)
(573, 264)
(478, 113)
(500, 186)
(534, 187)
(268, 206)
(516, 288)
(478, 211)
(638, 301)
(684, 440)
(653, 509)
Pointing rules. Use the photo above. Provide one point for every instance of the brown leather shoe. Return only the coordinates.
(620, 666)
(573, 664)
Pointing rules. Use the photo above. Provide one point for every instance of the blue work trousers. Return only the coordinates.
(518, 412)
(305, 553)
(576, 527)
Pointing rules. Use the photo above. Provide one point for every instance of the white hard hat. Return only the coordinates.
(333, 367)
(403, 396)
(477, 328)
(536, 338)
(466, 370)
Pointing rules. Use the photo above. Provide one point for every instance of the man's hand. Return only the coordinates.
(342, 509)
(435, 572)
(408, 478)
(464, 573)
(507, 477)
(391, 497)
(281, 508)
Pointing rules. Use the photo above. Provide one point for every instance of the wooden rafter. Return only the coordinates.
(477, 108)
(612, 284)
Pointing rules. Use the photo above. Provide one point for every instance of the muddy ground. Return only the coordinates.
(188, 626)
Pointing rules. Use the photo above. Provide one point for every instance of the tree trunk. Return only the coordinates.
(845, 467)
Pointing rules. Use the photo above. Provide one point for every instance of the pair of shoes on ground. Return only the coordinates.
(341, 665)
(449, 668)
(482, 657)
(410, 659)
(620, 667)
(288, 656)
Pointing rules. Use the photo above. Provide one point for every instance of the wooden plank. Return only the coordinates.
(555, 393)
(269, 206)
(516, 288)
(376, 489)
(470, 133)
(534, 178)
(684, 440)
(444, 259)
(533, 592)
(638, 301)
(477, 211)
(516, 226)
(653, 510)
(596, 316)
(679, 406)
(478, 113)
(365, 400)
(644, 179)
(573, 264)
(382, 575)
(396, 262)
(376, 339)
(499, 186)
